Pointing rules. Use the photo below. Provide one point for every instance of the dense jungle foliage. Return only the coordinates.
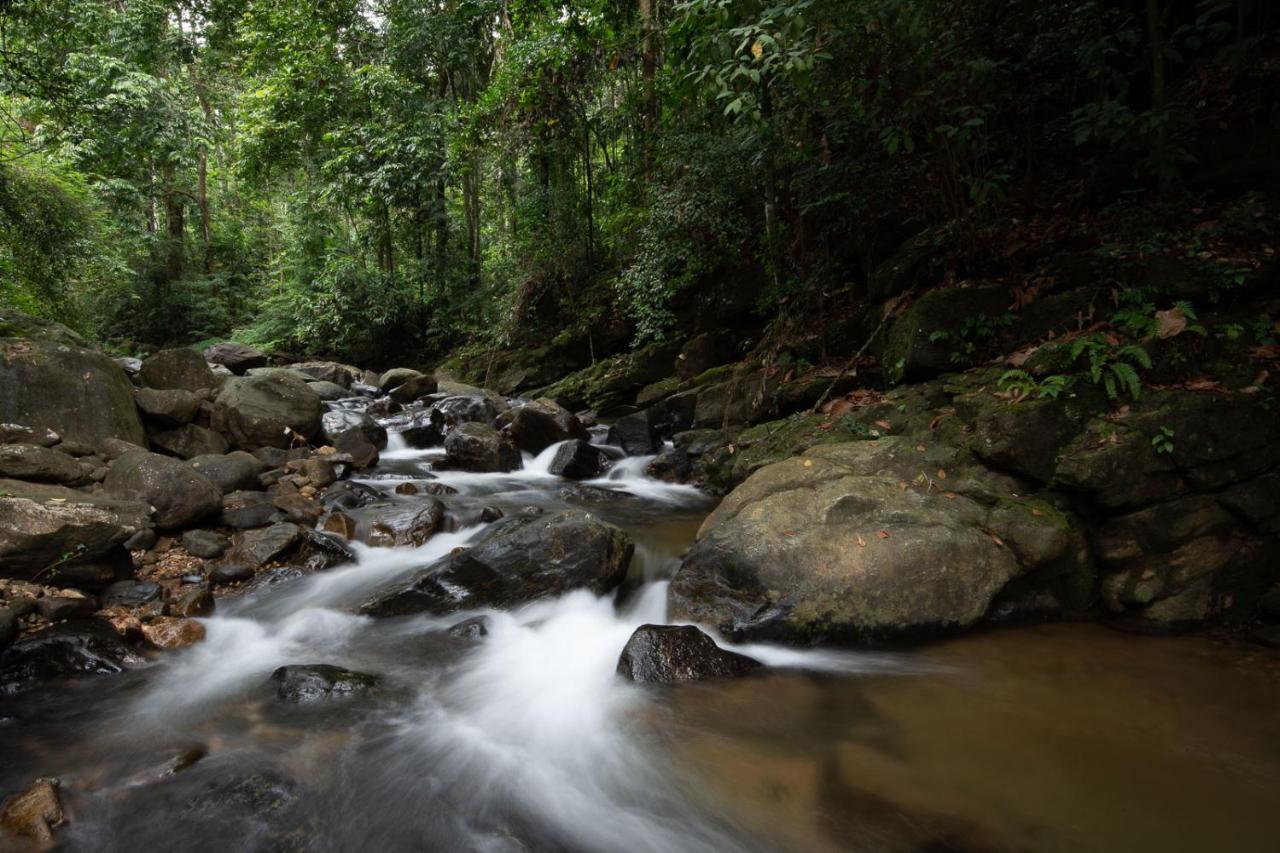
(368, 179)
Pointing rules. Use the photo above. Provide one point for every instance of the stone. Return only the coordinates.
(168, 632)
(39, 464)
(328, 391)
(192, 600)
(259, 547)
(412, 389)
(635, 435)
(318, 551)
(206, 544)
(57, 608)
(180, 368)
(307, 683)
(423, 431)
(578, 460)
(517, 560)
(407, 525)
(245, 510)
(66, 650)
(341, 524)
(273, 409)
(539, 424)
(928, 338)
(8, 627)
(132, 593)
(237, 358)
(35, 813)
(39, 377)
(230, 573)
(481, 448)
(463, 409)
(41, 524)
(179, 494)
(299, 509)
(21, 434)
(337, 422)
(329, 371)
(171, 407)
(475, 628)
(353, 443)
(348, 495)
(189, 441)
(320, 471)
(673, 654)
(230, 472)
(397, 376)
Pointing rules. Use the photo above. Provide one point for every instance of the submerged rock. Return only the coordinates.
(671, 654)
(82, 647)
(34, 813)
(318, 682)
(520, 559)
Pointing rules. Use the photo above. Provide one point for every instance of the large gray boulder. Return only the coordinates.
(189, 441)
(180, 368)
(172, 407)
(520, 559)
(857, 542)
(231, 472)
(267, 410)
(42, 371)
(180, 494)
(329, 371)
(40, 525)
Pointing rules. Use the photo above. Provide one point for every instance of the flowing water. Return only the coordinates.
(1057, 738)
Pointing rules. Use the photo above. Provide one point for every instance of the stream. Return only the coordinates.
(1047, 738)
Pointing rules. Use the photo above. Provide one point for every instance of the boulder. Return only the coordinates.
(328, 391)
(189, 441)
(39, 378)
(537, 425)
(192, 600)
(172, 407)
(356, 445)
(132, 593)
(177, 368)
(406, 525)
(230, 573)
(397, 376)
(231, 472)
(412, 388)
(19, 434)
(179, 493)
(703, 352)
(82, 647)
(579, 460)
(41, 525)
(423, 431)
(336, 423)
(298, 508)
(519, 559)
(271, 409)
(467, 408)
(58, 608)
(40, 465)
(853, 542)
(635, 434)
(478, 447)
(171, 632)
(349, 495)
(329, 371)
(671, 654)
(318, 682)
(943, 331)
(235, 357)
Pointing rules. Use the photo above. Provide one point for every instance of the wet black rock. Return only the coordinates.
(317, 551)
(578, 460)
(318, 682)
(672, 654)
(519, 559)
(338, 422)
(82, 647)
(481, 448)
(539, 424)
(258, 547)
(192, 600)
(471, 629)
(349, 495)
(245, 510)
(635, 434)
(57, 608)
(466, 409)
(229, 573)
(423, 431)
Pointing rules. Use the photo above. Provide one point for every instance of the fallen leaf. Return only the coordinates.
(1037, 512)
(884, 425)
(950, 495)
(919, 448)
(942, 474)
(993, 537)
(862, 543)
(808, 463)
(882, 534)
(902, 485)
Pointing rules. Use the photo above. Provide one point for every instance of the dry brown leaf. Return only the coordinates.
(942, 474)
(1037, 512)
(862, 543)
(884, 424)
(1170, 323)
(882, 534)
(993, 537)
(950, 495)
(920, 448)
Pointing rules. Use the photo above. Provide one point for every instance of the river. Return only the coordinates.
(1047, 738)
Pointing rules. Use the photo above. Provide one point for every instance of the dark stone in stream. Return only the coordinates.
(363, 453)
(578, 460)
(8, 627)
(205, 543)
(423, 431)
(318, 551)
(273, 577)
(246, 510)
(519, 559)
(481, 448)
(453, 412)
(580, 493)
(635, 434)
(228, 573)
(318, 682)
(338, 422)
(349, 495)
(56, 608)
(471, 629)
(259, 547)
(194, 600)
(82, 647)
(672, 654)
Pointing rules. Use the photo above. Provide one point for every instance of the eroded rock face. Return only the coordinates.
(318, 682)
(521, 559)
(39, 376)
(179, 493)
(843, 544)
(266, 410)
(672, 654)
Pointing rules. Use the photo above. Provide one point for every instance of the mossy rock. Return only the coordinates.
(926, 339)
(14, 324)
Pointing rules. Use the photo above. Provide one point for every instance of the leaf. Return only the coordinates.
(950, 495)
(942, 474)
(884, 425)
(993, 537)
(882, 534)
(1037, 512)
(862, 543)
(920, 448)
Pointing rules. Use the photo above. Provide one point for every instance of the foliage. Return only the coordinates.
(1113, 366)
(1020, 385)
